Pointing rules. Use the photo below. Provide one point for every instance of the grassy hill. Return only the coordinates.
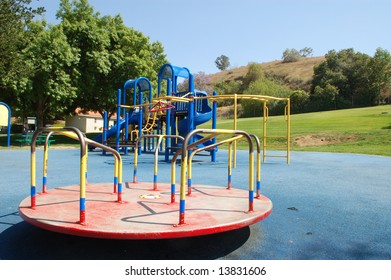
(300, 70)
(361, 130)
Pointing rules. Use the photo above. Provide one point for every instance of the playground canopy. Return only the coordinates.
(142, 83)
(168, 71)
(171, 73)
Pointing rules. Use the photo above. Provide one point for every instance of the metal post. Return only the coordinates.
(45, 165)
(235, 125)
(229, 185)
(288, 120)
(118, 120)
(156, 160)
(104, 133)
(214, 125)
(168, 124)
(265, 116)
(185, 162)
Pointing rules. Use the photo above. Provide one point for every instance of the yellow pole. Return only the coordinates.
(265, 115)
(135, 163)
(33, 179)
(235, 124)
(183, 188)
(288, 148)
(229, 165)
(45, 168)
(189, 173)
(86, 171)
(119, 180)
(251, 181)
(173, 177)
(83, 168)
(115, 175)
(258, 173)
(156, 161)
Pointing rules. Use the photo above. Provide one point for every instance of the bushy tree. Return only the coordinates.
(222, 62)
(324, 98)
(80, 62)
(251, 108)
(290, 55)
(110, 53)
(14, 15)
(299, 101)
(47, 90)
(380, 74)
(253, 74)
(202, 81)
(227, 87)
(307, 51)
(353, 74)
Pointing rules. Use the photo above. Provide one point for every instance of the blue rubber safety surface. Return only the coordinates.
(326, 206)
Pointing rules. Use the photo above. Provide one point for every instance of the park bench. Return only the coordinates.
(27, 138)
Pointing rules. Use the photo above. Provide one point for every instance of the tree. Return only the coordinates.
(325, 98)
(253, 74)
(299, 101)
(380, 73)
(349, 72)
(304, 52)
(47, 90)
(202, 81)
(251, 108)
(110, 53)
(14, 15)
(222, 62)
(290, 55)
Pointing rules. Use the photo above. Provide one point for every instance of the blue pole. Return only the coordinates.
(124, 103)
(140, 128)
(105, 127)
(126, 130)
(158, 87)
(168, 125)
(118, 120)
(190, 116)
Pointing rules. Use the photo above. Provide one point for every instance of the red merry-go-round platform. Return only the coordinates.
(143, 212)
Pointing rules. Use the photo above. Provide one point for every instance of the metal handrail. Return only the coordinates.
(76, 134)
(184, 165)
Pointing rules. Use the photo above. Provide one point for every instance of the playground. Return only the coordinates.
(325, 206)
(157, 186)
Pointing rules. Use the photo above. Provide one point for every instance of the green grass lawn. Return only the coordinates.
(363, 130)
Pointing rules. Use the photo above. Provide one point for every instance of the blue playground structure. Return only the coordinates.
(189, 117)
(132, 117)
(170, 112)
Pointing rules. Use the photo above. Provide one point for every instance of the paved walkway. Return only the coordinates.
(325, 206)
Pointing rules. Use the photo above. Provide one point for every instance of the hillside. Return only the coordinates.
(295, 73)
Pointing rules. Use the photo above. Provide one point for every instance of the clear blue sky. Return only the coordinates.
(195, 32)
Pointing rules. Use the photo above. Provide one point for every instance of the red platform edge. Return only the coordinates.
(209, 210)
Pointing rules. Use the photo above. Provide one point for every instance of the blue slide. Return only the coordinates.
(133, 119)
(203, 114)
